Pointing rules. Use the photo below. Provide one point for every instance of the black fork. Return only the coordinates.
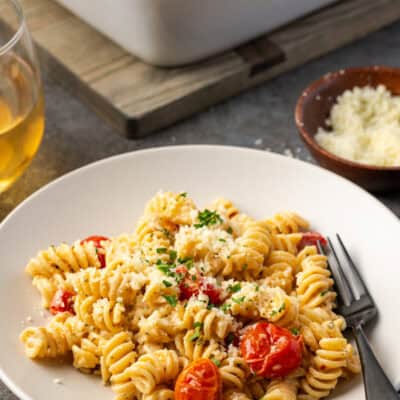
(358, 307)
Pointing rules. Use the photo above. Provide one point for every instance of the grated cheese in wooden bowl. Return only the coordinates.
(365, 126)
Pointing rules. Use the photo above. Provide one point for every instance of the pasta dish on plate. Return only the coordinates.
(196, 304)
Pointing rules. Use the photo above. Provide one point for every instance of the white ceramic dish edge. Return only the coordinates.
(177, 32)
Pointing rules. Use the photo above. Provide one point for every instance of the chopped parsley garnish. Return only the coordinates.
(216, 362)
(172, 255)
(167, 284)
(197, 328)
(183, 194)
(195, 335)
(165, 268)
(194, 278)
(207, 218)
(323, 293)
(295, 331)
(188, 261)
(244, 267)
(280, 309)
(225, 307)
(161, 250)
(222, 240)
(230, 230)
(257, 288)
(234, 288)
(238, 300)
(171, 300)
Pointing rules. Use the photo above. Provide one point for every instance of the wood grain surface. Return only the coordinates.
(138, 98)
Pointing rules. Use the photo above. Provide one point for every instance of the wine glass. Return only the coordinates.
(21, 95)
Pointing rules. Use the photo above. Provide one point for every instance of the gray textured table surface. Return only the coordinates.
(261, 118)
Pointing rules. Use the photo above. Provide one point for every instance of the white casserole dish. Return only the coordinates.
(175, 32)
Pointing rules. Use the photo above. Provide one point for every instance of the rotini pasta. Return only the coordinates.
(192, 288)
(63, 332)
(150, 370)
(63, 258)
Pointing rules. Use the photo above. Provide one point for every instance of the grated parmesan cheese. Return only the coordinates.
(365, 127)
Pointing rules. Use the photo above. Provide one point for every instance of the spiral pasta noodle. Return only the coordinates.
(150, 370)
(175, 208)
(57, 339)
(103, 283)
(193, 348)
(101, 313)
(160, 393)
(326, 368)
(212, 323)
(282, 389)
(234, 372)
(252, 249)
(286, 222)
(186, 290)
(314, 282)
(86, 355)
(63, 258)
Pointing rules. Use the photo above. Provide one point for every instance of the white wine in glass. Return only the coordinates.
(21, 95)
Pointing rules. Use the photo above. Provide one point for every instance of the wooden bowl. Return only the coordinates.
(314, 106)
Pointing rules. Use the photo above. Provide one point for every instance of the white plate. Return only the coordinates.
(107, 198)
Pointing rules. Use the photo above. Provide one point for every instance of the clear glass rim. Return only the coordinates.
(19, 32)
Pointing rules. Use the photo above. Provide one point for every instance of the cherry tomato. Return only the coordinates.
(190, 284)
(271, 351)
(97, 241)
(311, 239)
(193, 283)
(62, 301)
(213, 293)
(199, 381)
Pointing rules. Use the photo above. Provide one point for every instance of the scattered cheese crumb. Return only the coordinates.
(58, 381)
(258, 142)
(29, 319)
(365, 127)
(287, 152)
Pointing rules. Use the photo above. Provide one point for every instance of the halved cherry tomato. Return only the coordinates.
(193, 283)
(62, 301)
(199, 381)
(190, 283)
(311, 239)
(97, 241)
(271, 351)
(213, 293)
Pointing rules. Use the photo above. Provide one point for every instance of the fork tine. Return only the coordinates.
(341, 280)
(361, 287)
(320, 248)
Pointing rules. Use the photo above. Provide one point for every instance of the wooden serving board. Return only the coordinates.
(138, 98)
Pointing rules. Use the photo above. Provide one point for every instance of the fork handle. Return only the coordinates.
(376, 383)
